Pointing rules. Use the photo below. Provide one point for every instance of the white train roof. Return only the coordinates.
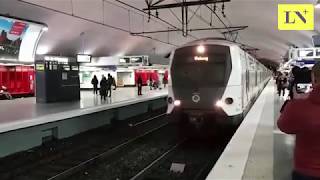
(217, 41)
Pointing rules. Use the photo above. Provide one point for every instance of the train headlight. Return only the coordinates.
(219, 103)
(177, 103)
(170, 100)
(201, 49)
(228, 101)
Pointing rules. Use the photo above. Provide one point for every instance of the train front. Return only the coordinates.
(199, 77)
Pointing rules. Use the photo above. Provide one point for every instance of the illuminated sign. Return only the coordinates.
(201, 58)
(55, 58)
(83, 58)
(295, 16)
(134, 60)
(40, 67)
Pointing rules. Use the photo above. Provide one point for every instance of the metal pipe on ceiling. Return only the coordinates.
(88, 20)
(234, 28)
(162, 20)
(187, 3)
(75, 16)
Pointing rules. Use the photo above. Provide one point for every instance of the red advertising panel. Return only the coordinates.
(18, 28)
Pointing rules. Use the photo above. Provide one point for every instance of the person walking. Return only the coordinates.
(139, 83)
(110, 82)
(95, 83)
(103, 87)
(300, 117)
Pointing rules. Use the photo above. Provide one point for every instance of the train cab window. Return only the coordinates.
(306, 53)
(213, 67)
(317, 52)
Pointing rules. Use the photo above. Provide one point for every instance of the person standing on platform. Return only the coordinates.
(150, 82)
(114, 83)
(278, 79)
(293, 80)
(164, 81)
(103, 87)
(95, 83)
(300, 117)
(110, 82)
(139, 84)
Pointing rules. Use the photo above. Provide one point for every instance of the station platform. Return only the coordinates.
(25, 112)
(24, 124)
(258, 150)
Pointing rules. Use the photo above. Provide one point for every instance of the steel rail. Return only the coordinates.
(101, 156)
(147, 120)
(144, 170)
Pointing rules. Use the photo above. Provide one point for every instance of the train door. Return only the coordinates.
(252, 77)
(248, 95)
(244, 85)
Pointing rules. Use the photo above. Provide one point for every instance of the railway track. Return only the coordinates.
(149, 155)
(101, 157)
(150, 160)
(46, 162)
(195, 160)
(127, 161)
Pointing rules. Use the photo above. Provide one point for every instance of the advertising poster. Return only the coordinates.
(11, 35)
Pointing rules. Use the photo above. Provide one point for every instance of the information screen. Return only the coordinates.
(83, 58)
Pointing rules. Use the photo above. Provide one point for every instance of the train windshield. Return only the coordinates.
(209, 68)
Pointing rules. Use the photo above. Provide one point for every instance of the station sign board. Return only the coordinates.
(134, 60)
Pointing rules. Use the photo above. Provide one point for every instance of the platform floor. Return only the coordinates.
(12, 112)
(271, 154)
(258, 150)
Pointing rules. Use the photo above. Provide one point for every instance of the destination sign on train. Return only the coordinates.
(201, 58)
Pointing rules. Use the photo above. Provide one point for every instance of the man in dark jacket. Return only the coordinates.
(103, 87)
(110, 82)
(139, 83)
(95, 83)
(301, 117)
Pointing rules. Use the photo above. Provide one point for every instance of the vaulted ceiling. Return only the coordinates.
(104, 27)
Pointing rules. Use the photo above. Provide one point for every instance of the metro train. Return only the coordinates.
(213, 80)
